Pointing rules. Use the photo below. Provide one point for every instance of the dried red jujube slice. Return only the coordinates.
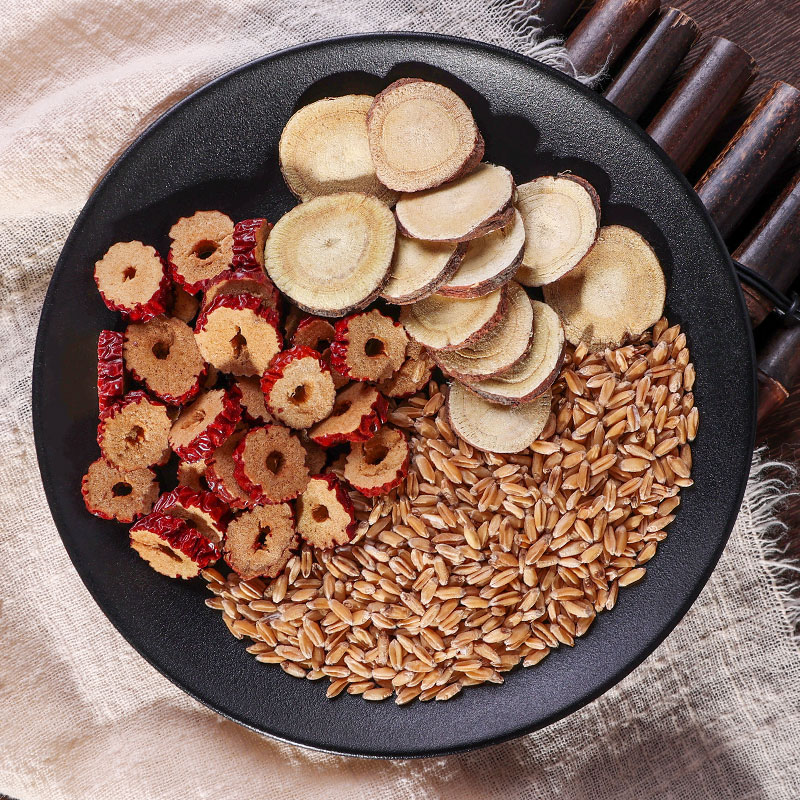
(271, 464)
(133, 433)
(112, 494)
(368, 346)
(358, 413)
(193, 475)
(254, 406)
(298, 387)
(162, 354)
(378, 465)
(260, 542)
(413, 375)
(249, 237)
(238, 334)
(132, 279)
(220, 473)
(184, 306)
(202, 247)
(203, 509)
(316, 456)
(205, 424)
(318, 333)
(172, 546)
(236, 282)
(110, 369)
(325, 513)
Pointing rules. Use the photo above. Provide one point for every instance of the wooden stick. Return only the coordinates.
(654, 60)
(686, 123)
(733, 182)
(555, 14)
(778, 369)
(605, 32)
(773, 249)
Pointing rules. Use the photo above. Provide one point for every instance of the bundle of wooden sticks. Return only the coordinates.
(640, 46)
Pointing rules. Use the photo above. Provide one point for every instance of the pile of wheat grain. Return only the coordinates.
(480, 561)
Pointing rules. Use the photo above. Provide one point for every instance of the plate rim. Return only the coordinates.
(466, 43)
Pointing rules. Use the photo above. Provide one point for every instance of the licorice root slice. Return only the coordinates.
(420, 268)
(271, 464)
(496, 428)
(133, 433)
(447, 323)
(202, 247)
(249, 237)
(110, 493)
(238, 334)
(489, 262)
(561, 215)
(324, 149)
(617, 291)
(325, 513)
(536, 371)
(132, 279)
(368, 346)
(206, 423)
(332, 254)
(413, 375)
(172, 546)
(162, 354)
(298, 387)
(378, 465)
(358, 413)
(499, 350)
(467, 208)
(260, 542)
(421, 134)
(110, 368)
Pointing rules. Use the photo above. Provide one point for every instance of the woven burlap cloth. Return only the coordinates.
(714, 713)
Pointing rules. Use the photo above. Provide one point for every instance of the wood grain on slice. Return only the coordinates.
(421, 134)
(446, 323)
(324, 149)
(500, 349)
(420, 268)
(534, 374)
(332, 254)
(489, 261)
(562, 217)
(496, 428)
(464, 209)
(616, 291)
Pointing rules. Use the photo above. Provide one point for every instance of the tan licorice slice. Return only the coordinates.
(324, 149)
(420, 268)
(562, 217)
(421, 134)
(489, 261)
(500, 349)
(444, 323)
(464, 209)
(533, 374)
(492, 427)
(617, 291)
(332, 254)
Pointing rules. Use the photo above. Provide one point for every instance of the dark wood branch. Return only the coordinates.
(654, 60)
(606, 30)
(686, 123)
(733, 182)
(778, 369)
(556, 14)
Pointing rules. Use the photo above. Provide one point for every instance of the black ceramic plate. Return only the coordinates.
(217, 149)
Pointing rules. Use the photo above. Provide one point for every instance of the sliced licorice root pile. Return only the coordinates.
(332, 254)
(467, 208)
(493, 427)
(421, 134)
(446, 323)
(489, 261)
(561, 216)
(420, 268)
(617, 291)
(324, 149)
(536, 371)
(500, 349)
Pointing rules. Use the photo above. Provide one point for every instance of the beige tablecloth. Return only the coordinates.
(714, 713)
